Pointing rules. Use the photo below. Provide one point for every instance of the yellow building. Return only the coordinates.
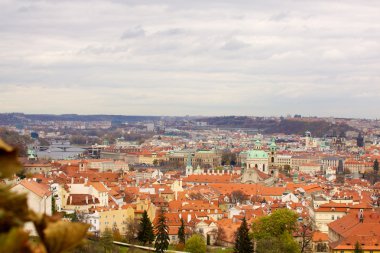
(116, 218)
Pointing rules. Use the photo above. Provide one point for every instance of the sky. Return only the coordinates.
(198, 57)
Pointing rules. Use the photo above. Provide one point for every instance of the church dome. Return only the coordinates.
(257, 154)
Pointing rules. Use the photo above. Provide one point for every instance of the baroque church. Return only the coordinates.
(259, 165)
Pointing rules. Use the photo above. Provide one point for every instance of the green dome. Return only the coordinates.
(257, 154)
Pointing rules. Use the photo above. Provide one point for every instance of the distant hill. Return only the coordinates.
(239, 122)
(298, 126)
(318, 128)
(21, 118)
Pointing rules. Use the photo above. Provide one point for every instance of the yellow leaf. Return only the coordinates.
(15, 241)
(61, 236)
(13, 209)
(9, 164)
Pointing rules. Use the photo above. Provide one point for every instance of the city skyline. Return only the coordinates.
(180, 58)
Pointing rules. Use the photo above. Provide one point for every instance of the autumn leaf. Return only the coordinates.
(9, 164)
(62, 236)
(13, 209)
(15, 241)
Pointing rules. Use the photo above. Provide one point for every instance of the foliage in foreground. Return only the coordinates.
(54, 235)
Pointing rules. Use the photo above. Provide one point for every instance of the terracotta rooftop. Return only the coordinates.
(38, 188)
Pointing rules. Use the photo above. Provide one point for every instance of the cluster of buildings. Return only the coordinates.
(212, 179)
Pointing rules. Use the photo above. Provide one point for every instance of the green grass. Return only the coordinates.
(132, 250)
(220, 250)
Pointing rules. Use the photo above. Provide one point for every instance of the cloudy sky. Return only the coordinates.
(198, 57)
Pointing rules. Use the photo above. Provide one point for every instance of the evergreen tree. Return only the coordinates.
(106, 240)
(358, 248)
(162, 234)
(243, 243)
(53, 205)
(145, 234)
(181, 232)
(376, 166)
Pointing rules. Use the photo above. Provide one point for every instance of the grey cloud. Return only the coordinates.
(133, 32)
(234, 44)
(279, 16)
(191, 57)
(171, 32)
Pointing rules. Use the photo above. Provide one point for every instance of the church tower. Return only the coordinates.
(189, 167)
(272, 150)
(272, 158)
(340, 173)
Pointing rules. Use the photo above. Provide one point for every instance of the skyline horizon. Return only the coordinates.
(193, 115)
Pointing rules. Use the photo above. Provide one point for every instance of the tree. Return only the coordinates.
(280, 221)
(376, 166)
(220, 236)
(358, 248)
(273, 233)
(196, 244)
(237, 196)
(281, 244)
(243, 243)
(155, 162)
(131, 228)
(53, 205)
(116, 234)
(181, 232)
(306, 234)
(145, 233)
(106, 240)
(162, 234)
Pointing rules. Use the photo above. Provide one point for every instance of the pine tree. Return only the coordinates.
(181, 232)
(242, 242)
(145, 234)
(106, 240)
(358, 248)
(162, 233)
(376, 166)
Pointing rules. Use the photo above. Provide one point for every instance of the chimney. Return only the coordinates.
(188, 217)
(72, 180)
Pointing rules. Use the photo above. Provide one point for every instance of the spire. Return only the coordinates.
(189, 160)
(257, 144)
(189, 167)
(273, 146)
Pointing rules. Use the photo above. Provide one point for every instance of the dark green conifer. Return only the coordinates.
(145, 233)
(162, 234)
(243, 243)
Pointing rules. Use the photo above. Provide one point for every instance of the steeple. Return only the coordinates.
(189, 167)
(257, 144)
(273, 146)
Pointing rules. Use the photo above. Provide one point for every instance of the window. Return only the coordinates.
(332, 217)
